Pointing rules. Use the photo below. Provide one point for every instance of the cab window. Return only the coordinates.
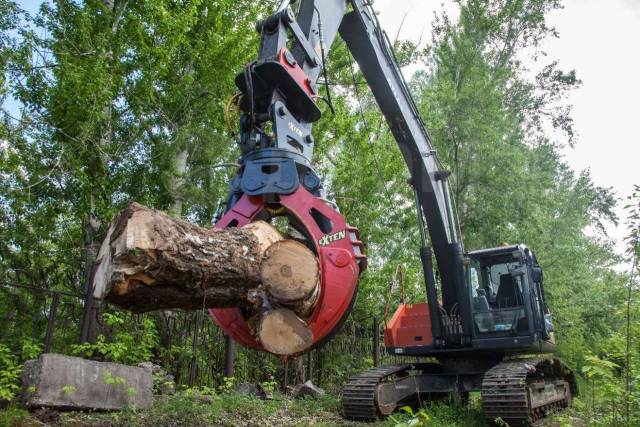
(497, 295)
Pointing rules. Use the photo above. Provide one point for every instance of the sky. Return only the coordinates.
(599, 39)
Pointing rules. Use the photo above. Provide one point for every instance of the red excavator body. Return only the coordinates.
(410, 326)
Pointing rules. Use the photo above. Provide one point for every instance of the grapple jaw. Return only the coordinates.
(336, 244)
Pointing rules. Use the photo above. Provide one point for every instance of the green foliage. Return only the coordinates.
(160, 380)
(204, 410)
(595, 368)
(10, 371)
(11, 366)
(269, 386)
(604, 399)
(439, 414)
(199, 392)
(30, 350)
(633, 223)
(113, 380)
(418, 418)
(228, 385)
(124, 101)
(13, 416)
(68, 390)
(125, 346)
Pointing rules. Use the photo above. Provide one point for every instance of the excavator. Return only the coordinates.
(485, 326)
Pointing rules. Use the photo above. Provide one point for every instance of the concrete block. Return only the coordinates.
(73, 383)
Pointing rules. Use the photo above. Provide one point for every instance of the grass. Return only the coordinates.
(193, 409)
(190, 408)
(13, 416)
(439, 414)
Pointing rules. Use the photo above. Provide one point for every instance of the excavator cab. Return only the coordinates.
(507, 294)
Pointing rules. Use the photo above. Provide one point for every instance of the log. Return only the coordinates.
(291, 275)
(150, 261)
(282, 332)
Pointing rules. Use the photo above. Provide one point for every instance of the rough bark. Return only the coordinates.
(92, 310)
(150, 261)
(177, 181)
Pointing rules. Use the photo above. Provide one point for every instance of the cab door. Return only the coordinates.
(538, 305)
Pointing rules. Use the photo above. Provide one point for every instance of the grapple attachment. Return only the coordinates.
(278, 106)
(336, 244)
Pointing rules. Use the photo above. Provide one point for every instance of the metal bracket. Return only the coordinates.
(276, 176)
(290, 21)
(291, 134)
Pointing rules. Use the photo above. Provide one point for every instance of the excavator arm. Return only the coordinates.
(372, 51)
(279, 105)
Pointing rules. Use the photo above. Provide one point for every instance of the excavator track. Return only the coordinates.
(521, 392)
(359, 394)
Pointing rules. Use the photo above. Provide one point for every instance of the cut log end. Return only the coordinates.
(265, 233)
(290, 272)
(283, 333)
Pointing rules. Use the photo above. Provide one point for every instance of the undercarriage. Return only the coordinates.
(517, 391)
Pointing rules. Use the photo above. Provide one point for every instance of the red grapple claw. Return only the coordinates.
(339, 250)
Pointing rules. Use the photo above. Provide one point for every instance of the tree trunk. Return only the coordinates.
(90, 327)
(177, 181)
(150, 261)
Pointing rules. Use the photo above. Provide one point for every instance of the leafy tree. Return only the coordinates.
(113, 97)
(8, 15)
(633, 223)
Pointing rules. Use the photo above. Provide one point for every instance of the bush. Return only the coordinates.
(11, 367)
(126, 346)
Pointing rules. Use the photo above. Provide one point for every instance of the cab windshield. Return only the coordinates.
(496, 295)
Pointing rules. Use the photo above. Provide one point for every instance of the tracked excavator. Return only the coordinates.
(485, 325)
